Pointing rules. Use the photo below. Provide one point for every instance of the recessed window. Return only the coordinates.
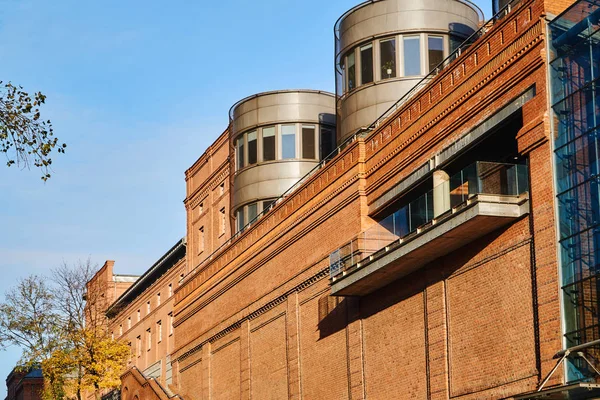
(200, 208)
(129, 323)
(412, 55)
(366, 63)
(222, 189)
(170, 323)
(158, 299)
(435, 51)
(240, 152)
(159, 331)
(387, 51)
(170, 289)
(200, 240)
(138, 345)
(308, 142)
(288, 141)
(139, 315)
(239, 219)
(252, 212)
(120, 330)
(252, 148)
(328, 142)
(350, 63)
(266, 204)
(268, 139)
(148, 308)
(223, 221)
(149, 338)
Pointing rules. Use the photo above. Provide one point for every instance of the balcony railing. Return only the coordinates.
(477, 179)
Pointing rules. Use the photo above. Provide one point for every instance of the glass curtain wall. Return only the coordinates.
(575, 69)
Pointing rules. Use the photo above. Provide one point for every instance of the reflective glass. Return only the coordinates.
(351, 71)
(252, 148)
(268, 139)
(252, 212)
(412, 55)
(288, 141)
(239, 219)
(435, 51)
(387, 51)
(366, 63)
(308, 142)
(328, 142)
(240, 152)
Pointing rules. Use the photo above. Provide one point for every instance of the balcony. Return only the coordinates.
(464, 207)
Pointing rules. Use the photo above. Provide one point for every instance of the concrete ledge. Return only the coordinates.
(481, 215)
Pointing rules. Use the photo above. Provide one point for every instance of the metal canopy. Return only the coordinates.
(575, 391)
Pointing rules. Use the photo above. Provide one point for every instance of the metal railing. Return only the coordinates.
(477, 179)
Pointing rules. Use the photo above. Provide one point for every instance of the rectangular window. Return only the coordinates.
(157, 299)
(350, 63)
(121, 330)
(138, 346)
(387, 51)
(222, 213)
(366, 63)
(159, 331)
(268, 139)
(252, 148)
(266, 204)
(200, 208)
(252, 212)
(240, 152)
(288, 141)
(139, 315)
(149, 338)
(129, 323)
(148, 308)
(308, 141)
(222, 189)
(239, 219)
(412, 55)
(170, 324)
(170, 289)
(435, 51)
(327, 141)
(200, 240)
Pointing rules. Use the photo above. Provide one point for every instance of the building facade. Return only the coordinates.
(25, 385)
(445, 248)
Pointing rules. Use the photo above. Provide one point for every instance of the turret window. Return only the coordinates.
(412, 55)
(366, 63)
(387, 50)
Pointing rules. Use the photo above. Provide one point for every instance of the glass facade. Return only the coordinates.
(574, 68)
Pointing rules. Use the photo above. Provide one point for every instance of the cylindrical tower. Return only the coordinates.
(385, 47)
(277, 137)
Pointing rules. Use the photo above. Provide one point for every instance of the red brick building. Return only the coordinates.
(420, 259)
(25, 385)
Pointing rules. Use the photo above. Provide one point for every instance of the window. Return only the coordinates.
(148, 308)
(222, 214)
(239, 219)
(252, 212)
(129, 323)
(366, 64)
(222, 189)
(149, 338)
(200, 208)
(112, 336)
(158, 299)
(138, 346)
(412, 55)
(308, 141)
(268, 138)
(387, 51)
(252, 148)
(159, 331)
(139, 315)
(266, 204)
(170, 324)
(327, 141)
(351, 71)
(435, 51)
(200, 240)
(240, 152)
(288, 141)
(121, 330)
(170, 289)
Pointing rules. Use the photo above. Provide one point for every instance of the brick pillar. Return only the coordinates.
(355, 349)
(293, 347)
(245, 359)
(437, 343)
(205, 371)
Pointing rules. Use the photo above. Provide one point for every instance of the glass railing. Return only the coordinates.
(480, 178)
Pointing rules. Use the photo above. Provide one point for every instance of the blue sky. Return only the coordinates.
(138, 90)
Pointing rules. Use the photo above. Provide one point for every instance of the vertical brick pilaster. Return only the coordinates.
(437, 341)
(293, 348)
(354, 333)
(206, 379)
(245, 360)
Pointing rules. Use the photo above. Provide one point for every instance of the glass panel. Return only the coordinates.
(455, 43)
(252, 148)
(240, 152)
(351, 71)
(436, 51)
(239, 219)
(268, 135)
(387, 49)
(252, 212)
(266, 204)
(288, 141)
(327, 141)
(366, 64)
(308, 141)
(412, 55)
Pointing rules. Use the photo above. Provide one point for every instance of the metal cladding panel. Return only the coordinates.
(268, 180)
(394, 16)
(278, 107)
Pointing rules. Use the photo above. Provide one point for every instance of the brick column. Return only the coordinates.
(245, 360)
(206, 371)
(293, 348)
(355, 349)
(437, 341)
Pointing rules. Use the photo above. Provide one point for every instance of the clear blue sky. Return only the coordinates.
(138, 89)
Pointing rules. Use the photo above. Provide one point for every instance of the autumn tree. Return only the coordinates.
(25, 138)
